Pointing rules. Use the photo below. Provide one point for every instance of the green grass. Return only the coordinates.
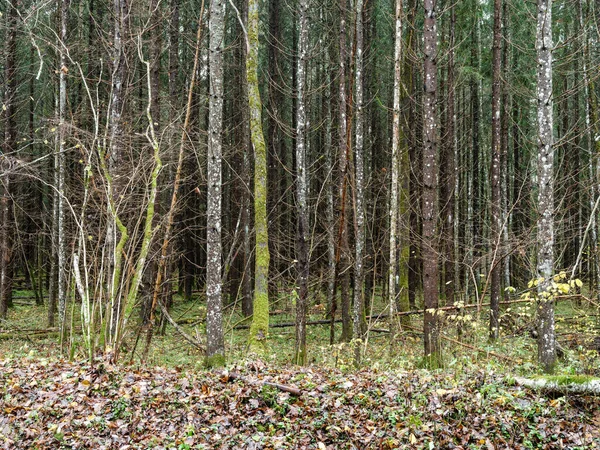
(170, 350)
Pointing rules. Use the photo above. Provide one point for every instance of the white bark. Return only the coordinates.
(61, 167)
(359, 175)
(545, 224)
(214, 319)
(395, 165)
(301, 186)
(588, 387)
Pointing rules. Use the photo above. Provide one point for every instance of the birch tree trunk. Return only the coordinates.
(62, 110)
(342, 257)
(260, 320)
(359, 276)
(496, 182)
(545, 224)
(395, 165)
(215, 349)
(430, 193)
(301, 187)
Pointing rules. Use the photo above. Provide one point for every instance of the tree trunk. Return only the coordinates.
(301, 187)
(494, 327)
(430, 186)
(215, 349)
(395, 165)
(260, 320)
(545, 225)
(359, 240)
(9, 147)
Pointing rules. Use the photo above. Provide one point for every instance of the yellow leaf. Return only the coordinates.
(578, 282)
(413, 439)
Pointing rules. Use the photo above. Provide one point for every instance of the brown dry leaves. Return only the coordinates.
(52, 404)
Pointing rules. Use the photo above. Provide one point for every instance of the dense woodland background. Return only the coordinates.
(414, 155)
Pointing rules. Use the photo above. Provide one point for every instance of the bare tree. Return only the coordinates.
(545, 223)
(359, 175)
(301, 186)
(395, 165)
(496, 172)
(214, 318)
(260, 320)
(430, 186)
(8, 147)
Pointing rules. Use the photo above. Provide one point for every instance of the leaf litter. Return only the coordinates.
(50, 404)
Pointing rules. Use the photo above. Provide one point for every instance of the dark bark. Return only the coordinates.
(430, 186)
(494, 327)
(8, 148)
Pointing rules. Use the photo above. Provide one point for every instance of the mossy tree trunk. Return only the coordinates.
(259, 328)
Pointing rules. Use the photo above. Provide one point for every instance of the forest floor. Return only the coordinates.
(173, 402)
(53, 404)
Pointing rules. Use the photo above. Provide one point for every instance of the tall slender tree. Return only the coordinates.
(301, 185)
(545, 223)
(430, 186)
(496, 172)
(61, 169)
(215, 349)
(260, 320)
(395, 165)
(8, 147)
(359, 175)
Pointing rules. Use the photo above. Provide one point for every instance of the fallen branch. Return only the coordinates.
(180, 330)
(562, 384)
(230, 376)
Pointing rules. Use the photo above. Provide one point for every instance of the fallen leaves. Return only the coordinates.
(52, 404)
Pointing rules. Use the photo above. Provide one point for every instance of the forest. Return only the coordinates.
(315, 191)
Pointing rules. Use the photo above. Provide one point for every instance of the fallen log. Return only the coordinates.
(231, 376)
(567, 384)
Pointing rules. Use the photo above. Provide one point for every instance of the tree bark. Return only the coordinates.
(215, 349)
(9, 147)
(359, 239)
(302, 264)
(395, 165)
(545, 225)
(430, 186)
(494, 326)
(260, 320)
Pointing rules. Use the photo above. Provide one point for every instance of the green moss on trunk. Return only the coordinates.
(259, 329)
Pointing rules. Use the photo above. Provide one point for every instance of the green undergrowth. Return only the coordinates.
(514, 353)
